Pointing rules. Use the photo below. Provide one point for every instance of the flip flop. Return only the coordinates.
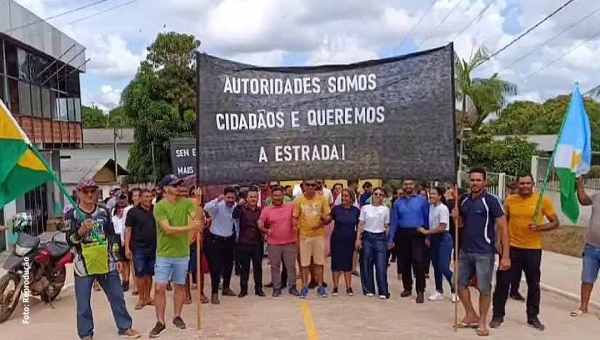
(204, 300)
(471, 325)
(578, 313)
(483, 332)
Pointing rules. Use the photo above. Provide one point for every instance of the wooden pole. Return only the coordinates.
(199, 272)
(456, 221)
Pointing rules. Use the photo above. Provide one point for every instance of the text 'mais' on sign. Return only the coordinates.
(389, 118)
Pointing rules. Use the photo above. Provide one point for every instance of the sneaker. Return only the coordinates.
(157, 330)
(382, 297)
(420, 297)
(535, 323)
(349, 292)
(437, 296)
(322, 292)
(455, 298)
(304, 293)
(496, 322)
(406, 293)
(276, 292)
(294, 291)
(335, 292)
(370, 294)
(178, 322)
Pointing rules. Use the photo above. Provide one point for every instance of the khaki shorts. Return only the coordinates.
(312, 247)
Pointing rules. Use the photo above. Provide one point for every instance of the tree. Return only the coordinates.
(479, 97)
(524, 117)
(159, 103)
(93, 118)
(511, 156)
(118, 118)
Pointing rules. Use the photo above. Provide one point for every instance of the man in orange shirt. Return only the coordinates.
(525, 238)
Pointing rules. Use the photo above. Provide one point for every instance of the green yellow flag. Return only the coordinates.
(21, 169)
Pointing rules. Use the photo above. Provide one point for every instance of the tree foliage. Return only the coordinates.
(479, 97)
(524, 117)
(93, 118)
(160, 103)
(511, 156)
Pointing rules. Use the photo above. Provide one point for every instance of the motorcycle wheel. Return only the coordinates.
(51, 292)
(6, 308)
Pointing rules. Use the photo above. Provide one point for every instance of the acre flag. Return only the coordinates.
(21, 169)
(573, 154)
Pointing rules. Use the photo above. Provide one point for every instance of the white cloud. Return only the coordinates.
(264, 32)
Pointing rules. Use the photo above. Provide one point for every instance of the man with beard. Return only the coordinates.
(485, 233)
(249, 246)
(219, 243)
(409, 213)
(525, 240)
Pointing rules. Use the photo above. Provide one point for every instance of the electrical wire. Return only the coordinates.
(104, 11)
(476, 19)
(552, 38)
(429, 36)
(415, 25)
(55, 16)
(554, 61)
(529, 30)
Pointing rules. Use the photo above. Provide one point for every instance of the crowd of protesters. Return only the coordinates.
(151, 236)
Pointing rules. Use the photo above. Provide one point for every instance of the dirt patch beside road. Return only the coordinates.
(566, 240)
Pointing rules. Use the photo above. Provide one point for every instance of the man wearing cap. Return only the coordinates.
(95, 246)
(175, 219)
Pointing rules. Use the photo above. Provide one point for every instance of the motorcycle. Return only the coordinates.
(34, 268)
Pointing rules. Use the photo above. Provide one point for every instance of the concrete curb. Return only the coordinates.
(565, 294)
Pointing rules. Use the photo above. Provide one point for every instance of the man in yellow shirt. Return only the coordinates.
(311, 214)
(525, 239)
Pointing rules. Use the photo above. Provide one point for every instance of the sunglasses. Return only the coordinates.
(310, 184)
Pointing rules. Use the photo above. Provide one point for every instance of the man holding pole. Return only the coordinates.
(485, 232)
(525, 233)
(175, 217)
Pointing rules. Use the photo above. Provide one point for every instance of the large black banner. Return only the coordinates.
(389, 118)
(183, 156)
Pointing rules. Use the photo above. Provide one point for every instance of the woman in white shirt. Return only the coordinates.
(119, 216)
(373, 228)
(441, 243)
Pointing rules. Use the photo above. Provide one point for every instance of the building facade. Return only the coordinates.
(39, 83)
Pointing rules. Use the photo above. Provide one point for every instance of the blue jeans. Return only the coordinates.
(591, 264)
(111, 285)
(374, 253)
(441, 251)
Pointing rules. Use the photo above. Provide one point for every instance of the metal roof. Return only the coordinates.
(106, 136)
(75, 171)
(544, 142)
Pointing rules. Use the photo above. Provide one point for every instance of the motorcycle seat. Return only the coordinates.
(58, 249)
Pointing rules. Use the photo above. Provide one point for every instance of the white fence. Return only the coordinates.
(497, 182)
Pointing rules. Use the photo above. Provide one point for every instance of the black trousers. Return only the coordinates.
(247, 254)
(411, 254)
(284, 277)
(396, 251)
(461, 232)
(219, 254)
(528, 261)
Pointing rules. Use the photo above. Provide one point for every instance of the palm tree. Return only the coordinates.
(479, 97)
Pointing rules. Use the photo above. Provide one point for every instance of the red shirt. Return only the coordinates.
(279, 220)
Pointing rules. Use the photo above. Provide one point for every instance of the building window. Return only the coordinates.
(24, 65)
(25, 98)
(72, 82)
(1, 57)
(3, 96)
(77, 103)
(61, 114)
(46, 104)
(36, 101)
(13, 94)
(12, 65)
(70, 110)
(53, 105)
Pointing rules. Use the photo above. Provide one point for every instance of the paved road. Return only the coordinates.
(348, 318)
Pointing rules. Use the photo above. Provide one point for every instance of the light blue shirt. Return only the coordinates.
(223, 223)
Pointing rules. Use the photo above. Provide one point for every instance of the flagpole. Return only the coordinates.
(538, 206)
(456, 221)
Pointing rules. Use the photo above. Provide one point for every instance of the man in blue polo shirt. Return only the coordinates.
(409, 213)
(485, 233)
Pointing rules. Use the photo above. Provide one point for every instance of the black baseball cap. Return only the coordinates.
(169, 180)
